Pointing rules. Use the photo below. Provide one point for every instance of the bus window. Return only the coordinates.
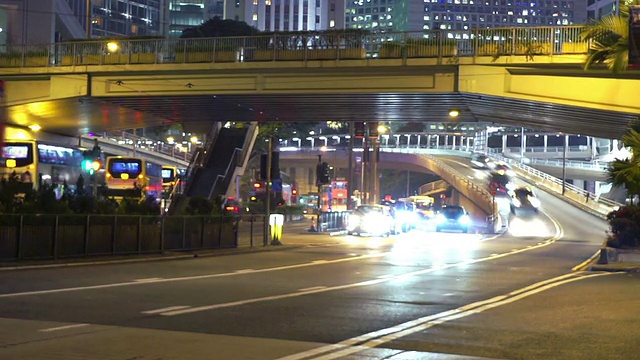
(131, 167)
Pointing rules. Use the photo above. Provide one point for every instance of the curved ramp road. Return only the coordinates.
(417, 295)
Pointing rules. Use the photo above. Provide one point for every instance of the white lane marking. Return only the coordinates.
(244, 271)
(186, 278)
(63, 327)
(165, 309)
(379, 280)
(319, 261)
(379, 337)
(312, 288)
(147, 279)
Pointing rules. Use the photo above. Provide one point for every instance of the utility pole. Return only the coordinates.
(88, 19)
(350, 186)
(564, 163)
(267, 186)
(319, 184)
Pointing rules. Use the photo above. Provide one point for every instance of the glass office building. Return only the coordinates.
(47, 21)
(416, 15)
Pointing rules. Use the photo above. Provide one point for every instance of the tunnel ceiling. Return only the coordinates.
(97, 114)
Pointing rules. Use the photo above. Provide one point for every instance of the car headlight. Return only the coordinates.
(464, 220)
(440, 219)
(534, 201)
(354, 220)
(510, 186)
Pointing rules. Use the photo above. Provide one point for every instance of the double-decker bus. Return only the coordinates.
(334, 197)
(132, 177)
(35, 164)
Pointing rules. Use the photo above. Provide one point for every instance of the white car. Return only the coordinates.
(371, 219)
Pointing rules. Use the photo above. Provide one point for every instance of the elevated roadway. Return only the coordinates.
(112, 92)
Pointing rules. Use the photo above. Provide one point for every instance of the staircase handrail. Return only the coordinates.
(237, 152)
(201, 157)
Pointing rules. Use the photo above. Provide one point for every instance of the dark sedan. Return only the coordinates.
(453, 217)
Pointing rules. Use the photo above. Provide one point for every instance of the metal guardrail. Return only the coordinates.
(598, 204)
(347, 45)
(26, 237)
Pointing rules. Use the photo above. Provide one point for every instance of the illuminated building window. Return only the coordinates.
(255, 17)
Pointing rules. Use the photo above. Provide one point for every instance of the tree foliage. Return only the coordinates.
(626, 172)
(218, 27)
(609, 39)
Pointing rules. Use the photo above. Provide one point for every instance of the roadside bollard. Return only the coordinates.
(276, 224)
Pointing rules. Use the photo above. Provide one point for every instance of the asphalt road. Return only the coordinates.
(419, 295)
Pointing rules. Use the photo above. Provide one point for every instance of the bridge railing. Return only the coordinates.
(125, 139)
(344, 45)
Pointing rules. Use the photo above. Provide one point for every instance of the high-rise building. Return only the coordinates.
(418, 15)
(185, 14)
(288, 15)
(596, 9)
(47, 21)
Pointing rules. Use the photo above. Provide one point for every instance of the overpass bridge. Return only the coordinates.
(488, 75)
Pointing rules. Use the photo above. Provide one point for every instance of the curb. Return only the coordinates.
(212, 253)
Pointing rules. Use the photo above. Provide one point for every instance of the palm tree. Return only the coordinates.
(626, 172)
(609, 39)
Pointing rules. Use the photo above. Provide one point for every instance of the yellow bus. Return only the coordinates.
(424, 205)
(35, 164)
(169, 177)
(132, 177)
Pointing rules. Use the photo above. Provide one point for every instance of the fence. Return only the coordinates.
(333, 220)
(451, 44)
(24, 237)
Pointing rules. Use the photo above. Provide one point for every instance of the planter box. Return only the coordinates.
(193, 57)
(390, 52)
(430, 51)
(145, 58)
(36, 61)
(10, 62)
(575, 48)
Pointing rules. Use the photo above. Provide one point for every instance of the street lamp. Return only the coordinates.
(171, 140)
(323, 138)
(312, 141)
(337, 138)
(298, 140)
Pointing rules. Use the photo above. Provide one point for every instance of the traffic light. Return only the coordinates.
(358, 129)
(373, 129)
(323, 173)
(275, 165)
(89, 164)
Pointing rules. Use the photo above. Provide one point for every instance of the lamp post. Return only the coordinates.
(313, 141)
(88, 19)
(298, 140)
(324, 138)
(564, 163)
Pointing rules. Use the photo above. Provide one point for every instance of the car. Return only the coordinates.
(371, 219)
(481, 161)
(453, 217)
(231, 206)
(500, 182)
(403, 213)
(502, 167)
(524, 201)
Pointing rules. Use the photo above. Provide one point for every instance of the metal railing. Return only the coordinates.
(600, 205)
(25, 237)
(127, 140)
(201, 155)
(348, 45)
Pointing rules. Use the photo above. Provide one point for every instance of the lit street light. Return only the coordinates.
(298, 140)
(312, 141)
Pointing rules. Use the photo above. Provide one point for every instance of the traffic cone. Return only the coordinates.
(313, 225)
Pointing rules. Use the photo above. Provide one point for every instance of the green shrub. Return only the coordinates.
(624, 226)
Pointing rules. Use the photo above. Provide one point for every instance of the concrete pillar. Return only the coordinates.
(446, 141)
(418, 144)
(453, 142)
(504, 144)
(428, 141)
(546, 140)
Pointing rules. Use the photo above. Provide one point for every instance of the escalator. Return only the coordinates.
(212, 168)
